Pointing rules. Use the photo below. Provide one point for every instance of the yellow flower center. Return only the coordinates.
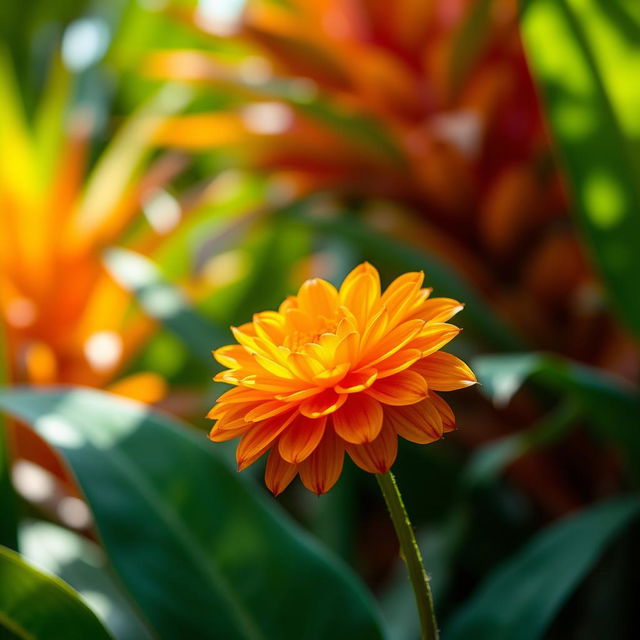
(297, 339)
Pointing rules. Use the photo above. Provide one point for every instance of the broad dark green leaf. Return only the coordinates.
(519, 599)
(83, 566)
(35, 606)
(201, 551)
(608, 403)
(164, 301)
(589, 81)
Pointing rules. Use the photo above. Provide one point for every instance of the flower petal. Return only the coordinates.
(448, 418)
(444, 372)
(433, 337)
(359, 420)
(393, 342)
(322, 404)
(301, 437)
(260, 437)
(399, 361)
(318, 298)
(406, 387)
(377, 456)
(419, 422)
(320, 471)
(279, 473)
(438, 309)
(266, 410)
(357, 381)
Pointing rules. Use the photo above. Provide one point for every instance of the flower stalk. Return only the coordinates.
(411, 553)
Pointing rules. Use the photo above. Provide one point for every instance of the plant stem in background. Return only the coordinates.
(411, 554)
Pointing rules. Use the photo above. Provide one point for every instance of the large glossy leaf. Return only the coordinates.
(519, 600)
(589, 80)
(608, 403)
(202, 553)
(34, 605)
(83, 566)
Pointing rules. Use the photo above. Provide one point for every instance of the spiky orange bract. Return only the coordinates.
(339, 370)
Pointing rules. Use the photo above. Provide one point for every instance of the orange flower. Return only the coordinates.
(334, 371)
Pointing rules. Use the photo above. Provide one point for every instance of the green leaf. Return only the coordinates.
(34, 605)
(201, 552)
(589, 84)
(519, 599)
(608, 403)
(166, 303)
(83, 566)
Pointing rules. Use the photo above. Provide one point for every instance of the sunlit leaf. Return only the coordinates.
(589, 82)
(35, 605)
(519, 599)
(196, 546)
(83, 566)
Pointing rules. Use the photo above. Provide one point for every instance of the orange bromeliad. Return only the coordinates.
(339, 370)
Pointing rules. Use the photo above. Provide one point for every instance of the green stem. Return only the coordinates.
(411, 554)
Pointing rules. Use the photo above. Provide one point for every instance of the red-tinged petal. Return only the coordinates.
(398, 362)
(359, 420)
(406, 387)
(357, 381)
(320, 471)
(301, 437)
(448, 418)
(322, 404)
(434, 337)
(279, 473)
(419, 422)
(260, 437)
(318, 298)
(438, 309)
(228, 434)
(444, 372)
(266, 410)
(377, 456)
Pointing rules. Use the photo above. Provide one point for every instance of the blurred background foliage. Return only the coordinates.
(168, 168)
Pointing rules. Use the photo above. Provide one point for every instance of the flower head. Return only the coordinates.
(335, 371)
